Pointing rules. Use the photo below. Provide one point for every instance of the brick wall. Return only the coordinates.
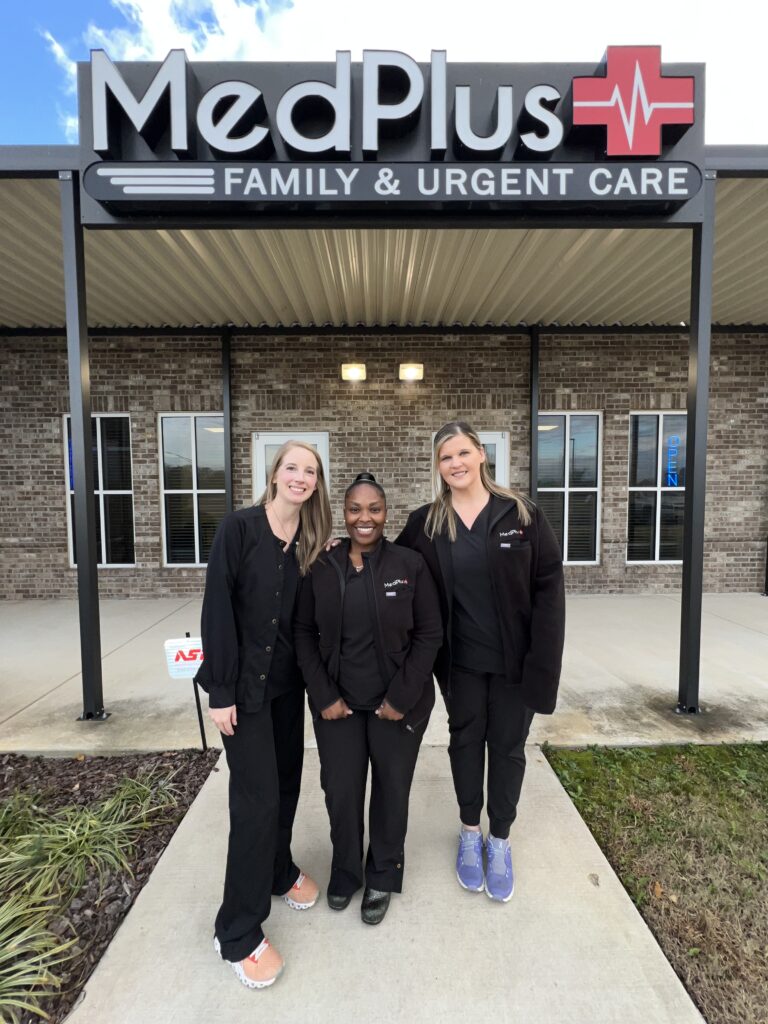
(622, 374)
(292, 383)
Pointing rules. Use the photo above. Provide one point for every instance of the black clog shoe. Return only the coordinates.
(338, 902)
(374, 906)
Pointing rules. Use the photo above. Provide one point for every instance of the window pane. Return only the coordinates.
(177, 453)
(210, 509)
(115, 453)
(583, 452)
(551, 451)
(673, 451)
(551, 504)
(643, 451)
(99, 558)
(118, 528)
(671, 527)
(210, 451)
(582, 526)
(490, 458)
(641, 527)
(94, 454)
(179, 528)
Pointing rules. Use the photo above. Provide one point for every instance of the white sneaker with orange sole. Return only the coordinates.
(259, 970)
(303, 893)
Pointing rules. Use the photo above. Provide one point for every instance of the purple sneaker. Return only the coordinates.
(469, 861)
(499, 877)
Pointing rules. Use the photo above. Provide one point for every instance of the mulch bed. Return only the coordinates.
(99, 907)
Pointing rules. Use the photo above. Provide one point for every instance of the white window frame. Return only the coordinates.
(97, 490)
(659, 488)
(501, 439)
(259, 441)
(194, 490)
(566, 489)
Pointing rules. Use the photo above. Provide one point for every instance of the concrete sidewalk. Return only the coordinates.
(619, 676)
(569, 948)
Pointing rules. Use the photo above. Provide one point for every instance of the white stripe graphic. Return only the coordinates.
(171, 190)
(166, 172)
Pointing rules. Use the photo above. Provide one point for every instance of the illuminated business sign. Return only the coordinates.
(390, 131)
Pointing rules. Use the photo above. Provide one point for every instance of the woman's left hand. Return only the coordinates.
(387, 712)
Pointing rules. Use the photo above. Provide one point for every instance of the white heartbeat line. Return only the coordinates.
(638, 93)
(161, 180)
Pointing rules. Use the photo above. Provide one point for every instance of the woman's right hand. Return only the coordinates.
(338, 710)
(225, 719)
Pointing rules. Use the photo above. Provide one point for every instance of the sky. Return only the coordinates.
(41, 40)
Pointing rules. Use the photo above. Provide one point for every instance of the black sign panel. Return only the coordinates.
(508, 184)
(216, 139)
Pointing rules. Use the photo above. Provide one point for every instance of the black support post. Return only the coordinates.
(696, 452)
(226, 390)
(533, 485)
(82, 459)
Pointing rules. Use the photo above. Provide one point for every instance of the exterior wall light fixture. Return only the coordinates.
(411, 371)
(353, 371)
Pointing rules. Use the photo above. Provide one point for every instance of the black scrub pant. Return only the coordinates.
(346, 746)
(484, 710)
(265, 758)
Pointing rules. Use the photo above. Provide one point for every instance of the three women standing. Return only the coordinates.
(498, 568)
(256, 698)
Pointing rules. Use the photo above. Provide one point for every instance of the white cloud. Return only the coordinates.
(67, 65)
(486, 30)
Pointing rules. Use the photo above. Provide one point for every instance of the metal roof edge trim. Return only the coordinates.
(37, 161)
(424, 331)
(47, 161)
(737, 161)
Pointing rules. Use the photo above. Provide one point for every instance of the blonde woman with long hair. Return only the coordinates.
(498, 569)
(256, 698)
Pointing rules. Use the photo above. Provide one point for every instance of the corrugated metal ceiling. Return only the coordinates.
(384, 277)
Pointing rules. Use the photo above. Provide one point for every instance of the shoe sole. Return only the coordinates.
(338, 910)
(499, 899)
(242, 976)
(469, 888)
(300, 906)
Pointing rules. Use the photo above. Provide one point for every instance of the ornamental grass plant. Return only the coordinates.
(45, 859)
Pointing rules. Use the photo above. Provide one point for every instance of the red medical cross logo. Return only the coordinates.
(633, 101)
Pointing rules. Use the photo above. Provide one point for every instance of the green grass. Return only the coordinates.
(686, 829)
(45, 857)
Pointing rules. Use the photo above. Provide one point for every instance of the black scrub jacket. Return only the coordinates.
(241, 610)
(408, 631)
(527, 579)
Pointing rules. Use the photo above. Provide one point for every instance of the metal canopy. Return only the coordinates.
(404, 277)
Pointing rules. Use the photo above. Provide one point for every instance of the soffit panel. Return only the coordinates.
(383, 277)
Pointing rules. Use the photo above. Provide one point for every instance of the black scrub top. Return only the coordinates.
(360, 679)
(284, 674)
(476, 638)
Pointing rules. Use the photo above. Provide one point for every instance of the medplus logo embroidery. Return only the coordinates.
(634, 101)
(395, 583)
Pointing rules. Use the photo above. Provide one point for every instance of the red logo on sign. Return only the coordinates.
(193, 654)
(633, 101)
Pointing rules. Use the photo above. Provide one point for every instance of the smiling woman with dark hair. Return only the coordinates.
(367, 630)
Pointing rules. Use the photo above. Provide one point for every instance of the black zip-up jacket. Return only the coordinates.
(408, 629)
(527, 579)
(241, 610)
